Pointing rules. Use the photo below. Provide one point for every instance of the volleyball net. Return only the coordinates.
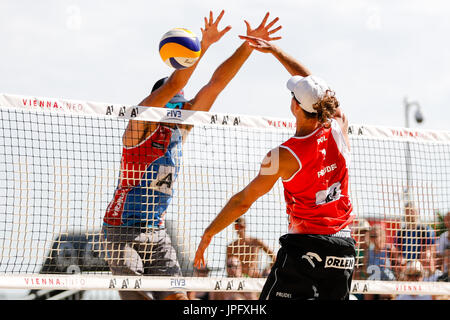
(60, 163)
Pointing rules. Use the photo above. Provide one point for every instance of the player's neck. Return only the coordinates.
(306, 127)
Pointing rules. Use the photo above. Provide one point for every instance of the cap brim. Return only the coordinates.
(292, 82)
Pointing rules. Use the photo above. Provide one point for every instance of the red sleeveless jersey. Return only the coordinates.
(317, 199)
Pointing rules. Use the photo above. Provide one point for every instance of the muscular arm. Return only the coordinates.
(205, 98)
(279, 163)
(342, 119)
(294, 67)
(137, 130)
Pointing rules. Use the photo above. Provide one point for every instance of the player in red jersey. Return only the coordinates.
(317, 256)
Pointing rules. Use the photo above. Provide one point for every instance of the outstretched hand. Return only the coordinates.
(264, 31)
(211, 33)
(199, 259)
(259, 44)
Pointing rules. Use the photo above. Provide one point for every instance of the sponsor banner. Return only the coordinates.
(108, 110)
(186, 117)
(400, 287)
(101, 282)
(398, 133)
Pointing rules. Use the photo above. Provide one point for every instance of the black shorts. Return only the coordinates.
(311, 267)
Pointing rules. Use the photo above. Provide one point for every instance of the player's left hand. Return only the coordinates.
(264, 31)
(199, 260)
(260, 44)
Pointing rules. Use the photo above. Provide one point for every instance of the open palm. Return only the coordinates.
(211, 33)
(264, 31)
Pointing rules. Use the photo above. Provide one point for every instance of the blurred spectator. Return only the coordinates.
(414, 239)
(377, 258)
(234, 270)
(444, 238)
(360, 231)
(432, 270)
(377, 262)
(413, 272)
(247, 249)
(446, 265)
(197, 295)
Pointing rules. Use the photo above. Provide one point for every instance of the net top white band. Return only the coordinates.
(211, 284)
(187, 117)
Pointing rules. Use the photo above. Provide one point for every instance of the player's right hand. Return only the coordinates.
(211, 33)
(264, 31)
(199, 260)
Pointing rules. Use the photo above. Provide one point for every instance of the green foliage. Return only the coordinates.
(439, 226)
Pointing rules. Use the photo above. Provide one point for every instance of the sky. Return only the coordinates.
(374, 54)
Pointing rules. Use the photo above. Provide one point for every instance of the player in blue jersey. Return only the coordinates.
(136, 241)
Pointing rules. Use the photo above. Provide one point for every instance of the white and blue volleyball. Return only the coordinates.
(179, 48)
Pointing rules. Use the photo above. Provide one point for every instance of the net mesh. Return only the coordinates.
(61, 162)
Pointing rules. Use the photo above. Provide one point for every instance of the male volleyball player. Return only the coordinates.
(317, 256)
(136, 241)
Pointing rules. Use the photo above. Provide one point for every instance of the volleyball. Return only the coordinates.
(179, 48)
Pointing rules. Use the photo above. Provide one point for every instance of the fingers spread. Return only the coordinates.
(275, 38)
(263, 23)
(228, 28)
(248, 37)
(219, 17)
(247, 25)
(272, 23)
(275, 30)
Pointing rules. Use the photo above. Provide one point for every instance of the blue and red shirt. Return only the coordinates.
(147, 175)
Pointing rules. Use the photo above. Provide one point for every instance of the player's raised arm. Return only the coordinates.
(295, 67)
(179, 78)
(159, 97)
(277, 163)
(229, 68)
(292, 65)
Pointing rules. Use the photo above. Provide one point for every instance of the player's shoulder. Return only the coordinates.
(280, 161)
(281, 153)
(288, 158)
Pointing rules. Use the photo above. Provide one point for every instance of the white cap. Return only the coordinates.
(308, 90)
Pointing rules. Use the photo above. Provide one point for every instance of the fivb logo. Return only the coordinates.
(174, 114)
